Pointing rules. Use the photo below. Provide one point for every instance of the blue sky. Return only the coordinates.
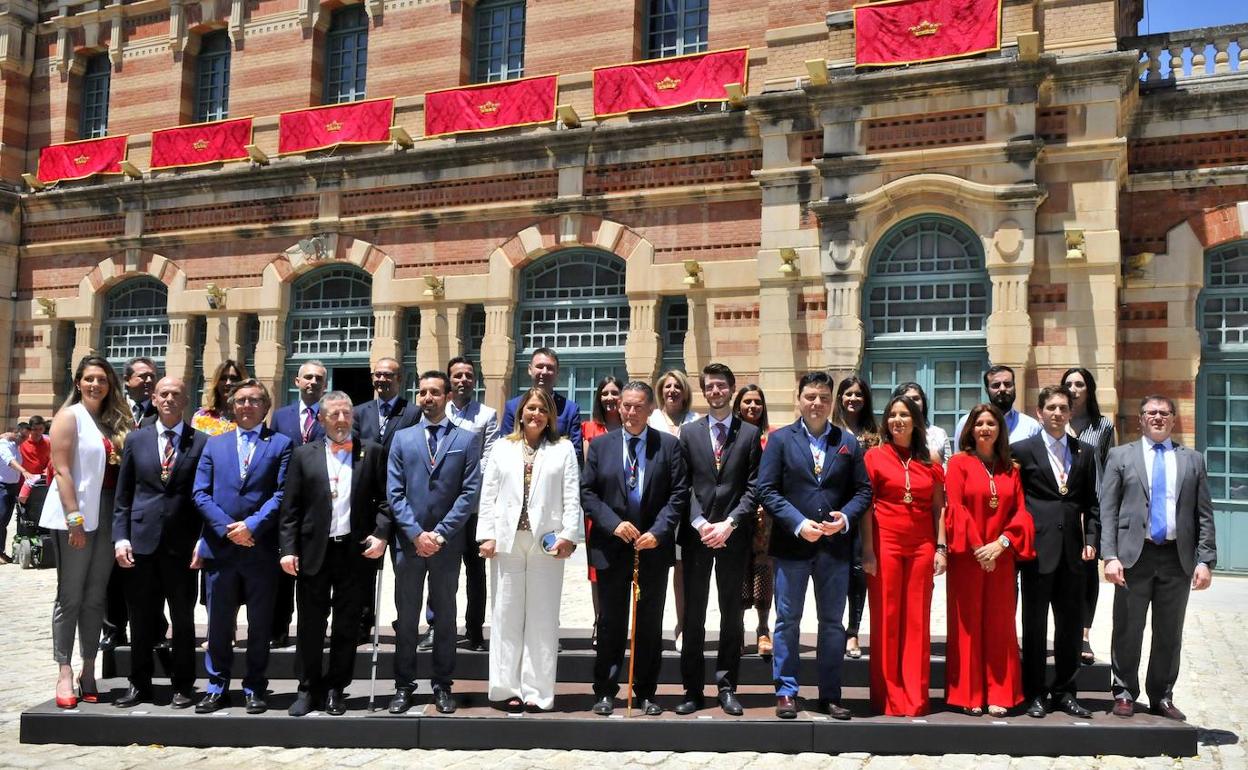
(1169, 15)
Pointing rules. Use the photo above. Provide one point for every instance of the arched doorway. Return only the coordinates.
(1222, 400)
(925, 309)
(331, 320)
(135, 323)
(574, 302)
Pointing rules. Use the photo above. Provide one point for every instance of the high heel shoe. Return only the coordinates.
(88, 696)
(68, 702)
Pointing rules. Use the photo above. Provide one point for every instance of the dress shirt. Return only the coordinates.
(641, 457)
(1059, 458)
(1172, 479)
(815, 450)
(161, 440)
(381, 418)
(8, 453)
(444, 426)
(711, 422)
(338, 467)
(303, 415)
(246, 448)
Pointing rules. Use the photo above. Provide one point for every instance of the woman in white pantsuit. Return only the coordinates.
(531, 489)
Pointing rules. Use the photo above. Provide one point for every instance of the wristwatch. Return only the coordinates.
(1004, 541)
(733, 522)
(442, 541)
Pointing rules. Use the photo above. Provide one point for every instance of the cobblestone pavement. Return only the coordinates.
(1211, 691)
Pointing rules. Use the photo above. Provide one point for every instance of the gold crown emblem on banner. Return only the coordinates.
(201, 145)
(81, 160)
(925, 28)
(488, 108)
(668, 83)
(333, 126)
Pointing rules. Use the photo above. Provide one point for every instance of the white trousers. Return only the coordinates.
(526, 586)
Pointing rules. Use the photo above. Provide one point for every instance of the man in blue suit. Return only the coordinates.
(433, 479)
(544, 372)
(238, 491)
(813, 481)
(298, 422)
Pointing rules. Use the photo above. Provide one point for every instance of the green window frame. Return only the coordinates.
(96, 81)
(212, 77)
(498, 40)
(673, 326)
(346, 55)
(676, 27)
(330, 319)
(136, 322)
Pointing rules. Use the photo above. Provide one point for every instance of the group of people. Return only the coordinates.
(306, 506)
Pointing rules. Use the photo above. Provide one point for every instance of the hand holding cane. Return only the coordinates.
(632, 633)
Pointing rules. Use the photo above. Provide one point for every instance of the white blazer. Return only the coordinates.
(554, 493)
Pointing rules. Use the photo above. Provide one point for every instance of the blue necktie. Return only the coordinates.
(1157, 497)
(244, 456)
(433, 444)
(634, 477)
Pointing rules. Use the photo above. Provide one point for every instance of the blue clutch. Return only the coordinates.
(548, 542)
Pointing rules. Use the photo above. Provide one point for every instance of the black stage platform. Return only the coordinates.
(478, 725)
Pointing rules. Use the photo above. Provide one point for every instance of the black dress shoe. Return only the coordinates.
(256, 704)
(650, 708)
(279, 641)
(213, 701)
(729, 703)
(475, 643)
(1068, 704)
(335, 703)
(834, 710)
(443, 701)
(604, 706)
(302, 706)
(426, 642)
(181, 700)
(1037, 708)
(786, 707)
(402, 701)
(690, 704)
(1166, 708)
(133, 697)
(1123, 707)
(113, 640)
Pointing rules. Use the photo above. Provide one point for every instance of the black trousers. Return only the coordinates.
(341, 586)
(1156, 580)
(283, 605)
(729, 566)
(614, 602)
(154, 580)
(856, 599)
(1061, 589)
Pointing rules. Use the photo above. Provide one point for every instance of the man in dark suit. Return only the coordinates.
(155, 526)
(238, 491)
(298, 422)
(334, 525)
(1059, 483)
(434, 476)
(635, 489)
(544, 373)
(1158, 543)
(380, 419)
(721, 453)
(813, 481)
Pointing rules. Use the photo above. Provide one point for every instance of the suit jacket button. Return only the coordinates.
(1059, 526)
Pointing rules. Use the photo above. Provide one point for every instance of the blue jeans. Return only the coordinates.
(831, 576)
(8, 499)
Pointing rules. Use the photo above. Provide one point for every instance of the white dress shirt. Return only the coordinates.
(711, 422)
(338, 467)
(1172, 479)
(1059, 458)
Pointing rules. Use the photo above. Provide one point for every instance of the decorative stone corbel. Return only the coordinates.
(236, 23)
(374, 10)
(177, 27)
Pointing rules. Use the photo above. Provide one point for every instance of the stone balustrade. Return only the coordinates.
(1192, 54)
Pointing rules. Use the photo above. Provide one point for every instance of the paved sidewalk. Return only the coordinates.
(1211, 691)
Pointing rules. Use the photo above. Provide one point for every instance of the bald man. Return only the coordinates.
(155, 526)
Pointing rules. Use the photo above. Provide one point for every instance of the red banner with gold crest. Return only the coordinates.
(317, 128)
(488, 106)
(79, 160)
(664, 83)
(910, 31)
(201, 143)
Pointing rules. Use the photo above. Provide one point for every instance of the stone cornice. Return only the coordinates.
(1015, 151)
(927, 80)
(1008, 196)
(1169, 181)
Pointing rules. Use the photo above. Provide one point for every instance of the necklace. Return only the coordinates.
(333, 482)
(993, 500)
(905, 466)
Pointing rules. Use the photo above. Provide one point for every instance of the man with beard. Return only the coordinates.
(999, 382)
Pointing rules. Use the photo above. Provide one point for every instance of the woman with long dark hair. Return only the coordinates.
(87, 436)
(605, 418)
(852, 410)
(989, 531)
(759, 586)
(937, 438)
(1097, 431)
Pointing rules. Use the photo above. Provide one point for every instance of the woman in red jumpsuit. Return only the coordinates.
(902, 547)
(989, 530)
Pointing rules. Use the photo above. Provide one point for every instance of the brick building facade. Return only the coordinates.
(1078, 198)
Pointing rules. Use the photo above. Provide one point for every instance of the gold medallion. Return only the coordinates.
(1063, 489)
(992, 502)
(164, 476)
(818, 469)
(907, 498)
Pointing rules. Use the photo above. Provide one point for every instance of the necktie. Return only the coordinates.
(309, 418)
(166, 458)
(244, 459)
(383, 412)
(634, 476)
(335, 447)
(1063, 468)
(1157, 497)
(138, 412)
(721, 433)
(433, 443)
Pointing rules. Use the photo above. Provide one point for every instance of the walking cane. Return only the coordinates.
(632, 634)
(372, 683)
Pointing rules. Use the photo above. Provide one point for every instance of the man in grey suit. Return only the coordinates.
(433, 479)
(1157, 540)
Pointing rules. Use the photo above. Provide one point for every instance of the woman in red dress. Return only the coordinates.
(989, 530)
(902, 547)
(606, 417)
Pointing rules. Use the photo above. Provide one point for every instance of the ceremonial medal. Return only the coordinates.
(243, 475)
(114, 458)
(907, 498)
(164, 475)
(818, 469)
(905, 466)
(333, 492)
(1063, 489)
(632, 481)
(992, 502)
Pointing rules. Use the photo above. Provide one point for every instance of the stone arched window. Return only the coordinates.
(331, 320)
(135, 322)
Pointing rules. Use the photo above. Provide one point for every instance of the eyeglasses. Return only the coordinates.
(383, 375)
(248, 401)
(1157, 413)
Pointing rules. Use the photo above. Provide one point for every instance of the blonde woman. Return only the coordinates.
(215, 417)
(530, 493)
(87, 435)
